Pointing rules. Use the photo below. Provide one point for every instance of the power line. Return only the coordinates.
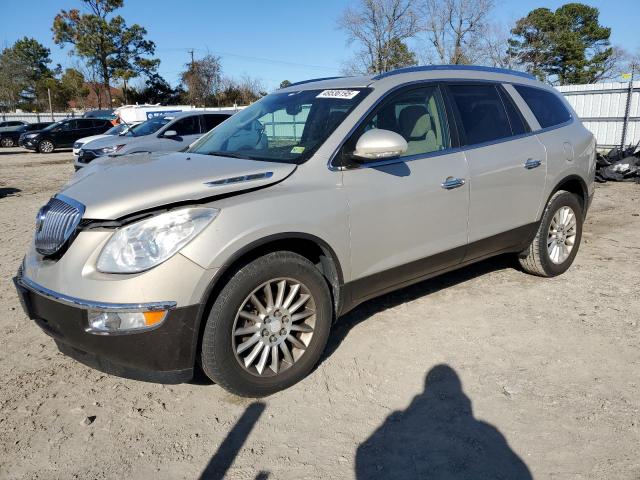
(252, 58)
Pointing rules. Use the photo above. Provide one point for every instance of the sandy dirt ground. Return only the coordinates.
(483, 370)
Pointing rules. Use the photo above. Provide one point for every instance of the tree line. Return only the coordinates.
(565, 46)
(109, 55)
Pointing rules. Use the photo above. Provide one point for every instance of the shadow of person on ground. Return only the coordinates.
(8, 192)
(231, 445)
(437, 437)
(343, 325)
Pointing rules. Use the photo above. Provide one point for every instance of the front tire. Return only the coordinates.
(7, 142)
(268, 326)
(556, 243)
(46, 146)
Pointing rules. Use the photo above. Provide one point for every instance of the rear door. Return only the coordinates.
(507, 166)
(404, 221)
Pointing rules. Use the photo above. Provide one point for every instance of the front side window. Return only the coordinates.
(281, 127)
(546, 106)
(186, 126)
(148, 127)
(417, 115)
(482, 113)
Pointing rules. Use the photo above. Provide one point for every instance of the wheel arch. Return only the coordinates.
(316, 250)
(576, 185)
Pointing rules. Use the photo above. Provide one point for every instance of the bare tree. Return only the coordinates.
(453, 29)
(203, 79)
(379, 26)
(493, 48)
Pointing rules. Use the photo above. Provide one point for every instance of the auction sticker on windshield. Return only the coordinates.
(346, 94)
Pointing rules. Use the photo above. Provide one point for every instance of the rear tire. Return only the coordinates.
(242, 344)
(46, 146)
(7, 142)
(557, 240)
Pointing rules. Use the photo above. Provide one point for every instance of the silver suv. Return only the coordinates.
(162, 133)
(238, 254)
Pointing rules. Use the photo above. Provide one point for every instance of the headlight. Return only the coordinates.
(109, 150)
(147, 243)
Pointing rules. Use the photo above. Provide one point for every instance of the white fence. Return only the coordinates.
(38, 117)
(609, 110)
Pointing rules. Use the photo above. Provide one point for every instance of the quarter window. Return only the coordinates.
(482, 113)
(546, 106)
(417, 115)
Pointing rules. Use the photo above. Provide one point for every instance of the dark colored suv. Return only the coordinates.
(10, 136)
(64, 133)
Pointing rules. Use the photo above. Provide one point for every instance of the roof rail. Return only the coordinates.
(313, 80)
(431, 68)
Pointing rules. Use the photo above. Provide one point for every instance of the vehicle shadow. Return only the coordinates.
(8, 192)
(233, 442)
(437, 437)
(368, 309)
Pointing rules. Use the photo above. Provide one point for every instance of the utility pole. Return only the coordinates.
(627, 109)
(193, 71)
(50, 105)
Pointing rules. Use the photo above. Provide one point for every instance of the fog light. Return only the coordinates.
(121, 322)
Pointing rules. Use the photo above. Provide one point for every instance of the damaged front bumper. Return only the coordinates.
(165, 354)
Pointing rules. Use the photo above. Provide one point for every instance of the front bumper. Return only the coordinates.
(165, 354)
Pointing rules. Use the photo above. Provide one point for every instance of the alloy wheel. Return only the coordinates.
(46, 146)
(562, 235)
(274, 326)
(6, 142)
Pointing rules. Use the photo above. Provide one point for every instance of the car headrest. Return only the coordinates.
(415, 122)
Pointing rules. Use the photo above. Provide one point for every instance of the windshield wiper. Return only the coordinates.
(229, 154)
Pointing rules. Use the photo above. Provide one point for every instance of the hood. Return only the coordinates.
(111, 140)
(86, 140)
(10, 129)
(112, 187)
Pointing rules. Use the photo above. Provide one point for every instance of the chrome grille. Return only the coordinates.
(55, 224)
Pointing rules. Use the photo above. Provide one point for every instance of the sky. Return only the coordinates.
(270, 40)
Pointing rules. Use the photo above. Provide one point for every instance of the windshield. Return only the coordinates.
(118, 129)
(148, 127)
(281, 127)
(53, 125)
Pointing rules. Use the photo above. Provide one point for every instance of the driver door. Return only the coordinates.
(406, 222)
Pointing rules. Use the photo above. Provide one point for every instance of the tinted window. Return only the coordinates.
(482, 113)
(417, 115)
(212, 121)
(186, 126)
(546, 106)
(84, 124)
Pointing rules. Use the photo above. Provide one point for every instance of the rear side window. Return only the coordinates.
(546, 106)
(83, 123)
(212, 121)
(482, 112)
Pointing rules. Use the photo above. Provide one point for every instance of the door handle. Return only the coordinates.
(452, 182)
(531, 163)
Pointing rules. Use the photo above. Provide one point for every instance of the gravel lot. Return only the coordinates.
(548, 372)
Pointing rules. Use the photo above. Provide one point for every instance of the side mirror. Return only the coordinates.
(378, 144)
(170, 134)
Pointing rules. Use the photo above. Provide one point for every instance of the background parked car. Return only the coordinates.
(10, 136)
(169, 133)
(12, 123)
(120, 129)
(64, 133)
